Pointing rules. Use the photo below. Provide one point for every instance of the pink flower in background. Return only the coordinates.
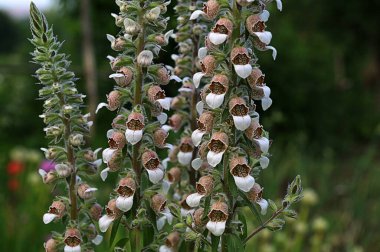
(47, 165)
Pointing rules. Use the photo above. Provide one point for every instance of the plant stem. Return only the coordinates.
(257, 230)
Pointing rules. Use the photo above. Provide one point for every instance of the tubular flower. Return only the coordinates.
(217, 218)
(86, 192)
(72, 240)
(260, 91)
(185, 153)
(123, 77)
(56, 211)
(202, 151)
(256, 26)
(205, 124)
(241, 172)
(255, 133)
(156, 94)
(171, 243)
(239, 111)
(208, 65)
(210, 10)
(114, 101)
(135, 127)
(218, 89)
(198, 218)
(185, 208)
(256, 195)
(204, 187)
(241, 61)
(217, 146)
(113, 158)
(112, 213)
(126, 191)
(221, 31)
(152, 165)
(50, 245)
(158, 204)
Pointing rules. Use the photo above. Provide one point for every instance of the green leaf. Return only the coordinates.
(251, 207)
(232, 185)
(115, 228)
(276, 224)
(242, 219)
(290, 213)
(234, 243)
(121, 243)
(272, 205)
(214, 243)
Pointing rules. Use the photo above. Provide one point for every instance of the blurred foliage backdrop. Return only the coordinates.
(324, 121)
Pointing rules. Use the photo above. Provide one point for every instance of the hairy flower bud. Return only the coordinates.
(158, 203)
(174, 175)
(50, 245)
(198, 218)
(123, 77)
(159, 137)
(63, 170)
(176, 121)
(131, 27)
(208, 64)
(145, 58)
(211, 9)
(163, 76)
(172, 240)
(153, 14)
(96, 211)
(76, 140)
(114, 100)
(85, 191)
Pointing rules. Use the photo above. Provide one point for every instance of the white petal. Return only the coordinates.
(217, 38)
(110, 38)
(133, 136)
(155, 175)
(263, 205)
(197, 78)
(72, 249)
(266, 102)
(176, 78)
(264, 16)
(194, 199)
(166, 186)
(92, 189)
(101, 105)
(214, 158)
(42, 173)
(274, 51)
(185, 212)
(166, 127)
(165, 248)
(116, 75)
(196, 14)
(244, 183)
(184, 158)
(267, 91)
(96, 152)
(264, 36)
(107, 154)
(104, 173)
(167, 35)
(242, 122)
(161, 222)
(264, 162)
(104, 222)
(124, 203)
(48, 217)
(110, 58)
(97, 163)
(162, 118)
(216, 228)
(196, 163)
(202, 52)
(174, 57)
(279, 5)
(165, 163)
(243, 70)
(196, 136)
(214, 100)
(165, 103)
(199, 106)
(263, 143)
(168, 215)
(185, 90)
(97, 240)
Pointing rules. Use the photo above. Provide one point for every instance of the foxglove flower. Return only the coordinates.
(86, 192)
(145, 58)
(198, 218)
(158, 204)
(156, 94)
(241, 61)
(176, 122)
(221, 31)
(217, 146)
(204, 187)
(93, 235)
(56, 211)
(185, 153)
(159, 138)
(152, 165)
(72, 240)
(210, 10)
(256, 26)
(50, 245)
(208, 65)
(217, 218)
(256, 195)
(135, 126)
(241, 172)
(254, 133)
(239, 111)
(171, 243)
(202, 153)
(126, 191)
(205, 124)
(185, 208)
(113, 158)
(112, 213)
(218, 89)
(123, 77)
(260, 91)
(261, 46)
(131, 27)
(114, 101)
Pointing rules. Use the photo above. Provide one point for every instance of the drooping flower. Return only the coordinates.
(145, 58)
(255, 133)
(256, 26)
(239, 111)
(123, 77)
(198, 218)
(152, 165)
(171, 243)
(72, 240)
(135, 127)
(159, 138)
(114, 101)
(205, 124)
(85, 191)
(204, 187)
(56, 211)
(217, 145)
(241, 61)
(218, 89)
(113, 158)
(208, 65)
(116, 139)
(158, 204)
(185, 153)
(157, 94)
(218, 216)
(210, 10)
(126, 191)
(256, 195)
(260, 91)
(112, 213)
(221, 31)
(241, 172)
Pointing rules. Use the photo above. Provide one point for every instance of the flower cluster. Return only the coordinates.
(66, 128)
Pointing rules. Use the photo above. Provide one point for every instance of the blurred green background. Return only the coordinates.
(324, 121)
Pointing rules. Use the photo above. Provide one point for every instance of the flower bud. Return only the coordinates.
(153, 14)
(123, 77)
(63, 170)
(116, 160)
(76, 140)
(114, 100)
(131, 27)
(176, 121)
(211, 9)
(117, 140)
(158, 203)
(53, 131)
(96, 211)
(85, 191)
(145, 58)
(163, 76)
(198, 218)
(174, 175)
(50, 245)
(159, 137)
(208, 64)
(172, 240)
